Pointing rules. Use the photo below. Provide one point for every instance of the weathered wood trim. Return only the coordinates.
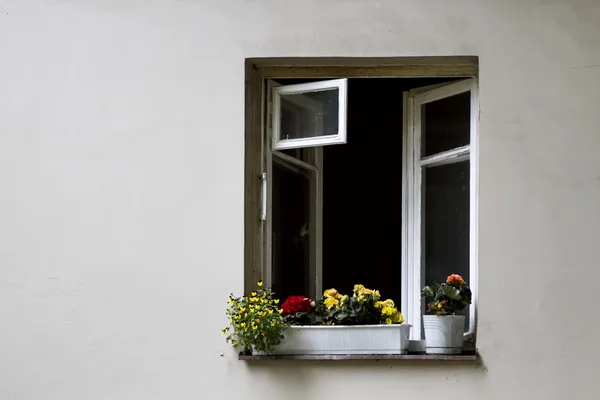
(252, 170)
(412, 71)
(361, 61)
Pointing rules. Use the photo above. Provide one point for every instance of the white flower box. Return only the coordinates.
(342, 339)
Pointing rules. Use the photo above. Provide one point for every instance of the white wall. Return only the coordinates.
(121, 193)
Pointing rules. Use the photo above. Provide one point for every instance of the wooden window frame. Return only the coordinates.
(259, 70)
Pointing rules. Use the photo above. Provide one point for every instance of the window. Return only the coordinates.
(309, 114)
(440, 201)
(367, 181)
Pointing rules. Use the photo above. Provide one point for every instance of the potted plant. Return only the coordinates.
(336, 324)
(255, 322)
(443, 328)
(342, 324)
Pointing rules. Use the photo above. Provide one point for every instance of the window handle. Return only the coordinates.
(263, 205)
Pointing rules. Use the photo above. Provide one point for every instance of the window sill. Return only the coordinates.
(467, 356)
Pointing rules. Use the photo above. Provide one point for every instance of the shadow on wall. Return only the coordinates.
(307, 379)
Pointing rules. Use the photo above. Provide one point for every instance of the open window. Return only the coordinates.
(309, 114)
(392, 214)
(303, 117)
(440, 192)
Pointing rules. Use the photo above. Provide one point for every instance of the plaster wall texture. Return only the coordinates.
(121, 194)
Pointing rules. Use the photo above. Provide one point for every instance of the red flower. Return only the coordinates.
(294, 304)
(455, 280)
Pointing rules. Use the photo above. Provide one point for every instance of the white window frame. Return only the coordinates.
(412, 268)
(340, 138)
(313, 166)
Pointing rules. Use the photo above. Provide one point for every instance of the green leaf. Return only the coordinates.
(451, 292)
(427, 292)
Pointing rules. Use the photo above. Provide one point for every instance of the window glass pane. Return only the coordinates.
(446, 223)
(445, 124)
(290, 232)
(309, 115)
(300, 154)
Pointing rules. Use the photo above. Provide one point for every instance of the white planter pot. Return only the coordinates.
(358, 339)
(443, 334)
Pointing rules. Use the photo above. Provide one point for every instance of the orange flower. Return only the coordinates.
(455, 280)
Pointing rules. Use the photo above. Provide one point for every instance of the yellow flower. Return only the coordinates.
(276, 301)
(330, 293)
(243, 324)
(254, 327)
(270, 311)
(338, 296)
(331, 302)
(344, 299)
(379, 304)
(272, 323)
(398, 318)
(439, 306)
(260, 283)
(388, 321)
(364, 291)
(357, 288)
(376, 294)
(389, 311)
(253, 294)
(389, 303)
(280, 311)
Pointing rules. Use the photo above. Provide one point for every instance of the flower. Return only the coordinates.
(344, 298)
(260, 283)
(331, 302)
(389, 303)
(365, 292)
(358, 288)
(330, 293)
(398, 318)
(254, 323)
(389, 311)
(295, 304)
(388, 321)
(455, 280)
